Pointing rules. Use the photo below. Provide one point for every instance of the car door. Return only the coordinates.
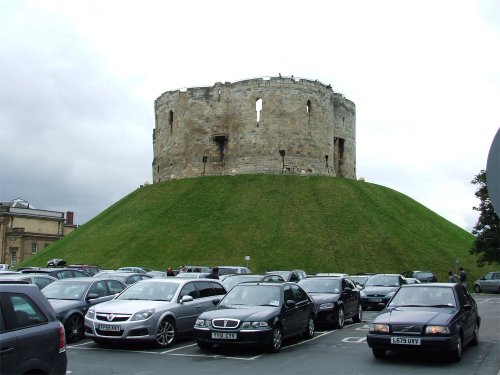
(290, 313)
(302, 305)
(187, 312)
(349, 297)
(468, 316)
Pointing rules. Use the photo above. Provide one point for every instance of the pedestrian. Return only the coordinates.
(452, 278)
(170, 271)
(214, 274)
(463, 277)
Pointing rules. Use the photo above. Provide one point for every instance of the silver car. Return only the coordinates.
(154, 310)
(488, 283)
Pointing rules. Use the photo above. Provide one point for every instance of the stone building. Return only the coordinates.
(25, 230)
(267, 125)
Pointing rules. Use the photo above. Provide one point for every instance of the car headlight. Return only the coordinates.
(325, 306)
(252, 325)
(142, 315)
(91, 313)
(203, 323)
(378, 327)
(437, 330)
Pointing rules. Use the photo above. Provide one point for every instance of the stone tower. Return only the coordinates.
(269, 125)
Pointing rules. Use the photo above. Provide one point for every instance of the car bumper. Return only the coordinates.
(441, 344)
(243, 337)
(144, 330)
(374, 302)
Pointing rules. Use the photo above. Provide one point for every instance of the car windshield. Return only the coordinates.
(253, 295)
(230, 282)
(383, 280)
(65, 290)
(361, 280)
(320, 285)
(424, 296)
(150, 291)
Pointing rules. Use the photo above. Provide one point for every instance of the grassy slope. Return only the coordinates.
(312, 223)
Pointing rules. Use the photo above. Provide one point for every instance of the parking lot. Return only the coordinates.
(341, 351)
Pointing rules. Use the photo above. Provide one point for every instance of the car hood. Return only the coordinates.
(248, 313)
(61, 305)
(379, 290)
(320, 298)
(118, 306)
(414, 315)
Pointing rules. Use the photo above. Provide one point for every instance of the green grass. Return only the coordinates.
(319, 224)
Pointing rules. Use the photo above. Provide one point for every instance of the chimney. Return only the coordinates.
(69, 217)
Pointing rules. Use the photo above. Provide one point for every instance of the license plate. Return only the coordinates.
(375, 299)
(405, 340)
(103, 327)
(224, 335)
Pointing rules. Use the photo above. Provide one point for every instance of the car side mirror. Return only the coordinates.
(186, 298)
(92, 296)
(347, 289)
(290, 303)
(216, 301)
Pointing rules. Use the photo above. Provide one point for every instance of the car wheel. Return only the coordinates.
(378, 352)
(277, 339)
(359, 315)
(166, 334)
(340, 318)
(309, 332)
(456, 355)
(204, 345)
(475, 336)
(477, 288)
(74, 328)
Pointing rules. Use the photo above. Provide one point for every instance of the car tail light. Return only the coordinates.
(62, 338)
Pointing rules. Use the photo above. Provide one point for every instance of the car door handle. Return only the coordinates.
(5, 351)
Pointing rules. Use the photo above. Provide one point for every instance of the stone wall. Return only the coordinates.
(304, 127)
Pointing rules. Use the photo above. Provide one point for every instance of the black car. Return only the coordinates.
(379, 289)
(437, 317)
(231, 280)
(71, 298)
(31, 337)
(127, 278)
(257, 313)
(335, 299)
(293, 275)
(59, 273)
(56, 263)
(422, 276)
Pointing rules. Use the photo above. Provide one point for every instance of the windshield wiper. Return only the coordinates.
(442, 305)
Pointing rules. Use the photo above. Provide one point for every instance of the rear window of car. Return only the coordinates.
(27, 312)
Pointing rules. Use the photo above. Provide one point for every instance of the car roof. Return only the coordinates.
(87, 280)
(429, 285)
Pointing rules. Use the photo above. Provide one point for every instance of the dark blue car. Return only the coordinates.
(436, 317)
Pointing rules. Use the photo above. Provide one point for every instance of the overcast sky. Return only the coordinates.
(78, 81)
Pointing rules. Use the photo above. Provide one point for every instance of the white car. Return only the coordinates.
(155, 310)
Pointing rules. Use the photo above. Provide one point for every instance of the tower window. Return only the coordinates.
(308, 107)
(221, 142)
(258, 108)
(171, 120)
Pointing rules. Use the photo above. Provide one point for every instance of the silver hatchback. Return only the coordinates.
(154, 310)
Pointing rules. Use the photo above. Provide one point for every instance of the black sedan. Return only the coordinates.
(426, 317)
(257, 313)
(335, 299)
(71, 298)
(379, 289)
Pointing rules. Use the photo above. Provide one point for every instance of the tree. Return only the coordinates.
(487, 228)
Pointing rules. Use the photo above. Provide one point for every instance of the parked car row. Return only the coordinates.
(242, 309)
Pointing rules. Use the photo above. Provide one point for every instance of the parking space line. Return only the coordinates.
(180, 347)
(221, 356)
(115, 350)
